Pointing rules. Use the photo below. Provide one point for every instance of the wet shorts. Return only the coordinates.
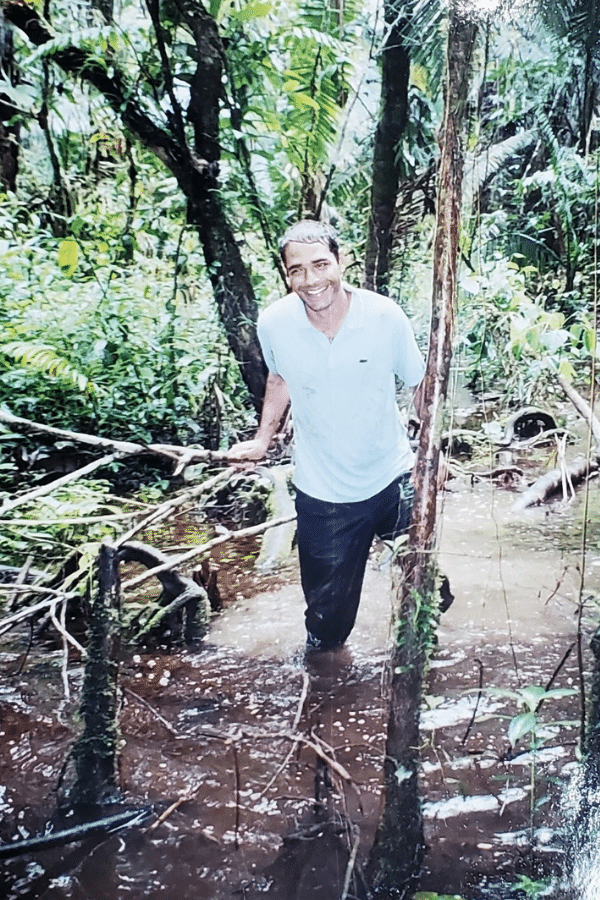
(334, 540)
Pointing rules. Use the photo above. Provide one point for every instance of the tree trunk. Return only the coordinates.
(395, 70)
(196, 170)
(95, 752)
(398, 847)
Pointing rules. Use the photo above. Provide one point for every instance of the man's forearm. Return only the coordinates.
(276, 401)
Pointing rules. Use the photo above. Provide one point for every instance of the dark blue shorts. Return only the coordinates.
(334, 540)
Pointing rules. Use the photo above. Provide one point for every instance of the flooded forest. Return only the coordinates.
(165, 729)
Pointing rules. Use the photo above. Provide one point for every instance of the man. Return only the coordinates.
(335, 351)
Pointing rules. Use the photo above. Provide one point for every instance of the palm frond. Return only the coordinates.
(480, 168)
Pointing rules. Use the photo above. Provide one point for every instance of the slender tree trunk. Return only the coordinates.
(395, 69)
(95, 752)
(229, 276)
(398, 848)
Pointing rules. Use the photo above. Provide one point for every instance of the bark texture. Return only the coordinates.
(398, 848)
(395, 70)
(95, 752)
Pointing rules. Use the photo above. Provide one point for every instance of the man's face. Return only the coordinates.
(313, 273)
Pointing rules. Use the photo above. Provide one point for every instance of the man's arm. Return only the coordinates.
(275, 404)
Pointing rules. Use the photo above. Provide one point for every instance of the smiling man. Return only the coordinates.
(335, 351)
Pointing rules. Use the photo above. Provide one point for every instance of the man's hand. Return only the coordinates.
(244, 455)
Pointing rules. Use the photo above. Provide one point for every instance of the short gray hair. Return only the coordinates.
(309, 231)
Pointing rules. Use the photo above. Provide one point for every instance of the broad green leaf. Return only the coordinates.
(68, 255)
(255, 9)
(520, 726)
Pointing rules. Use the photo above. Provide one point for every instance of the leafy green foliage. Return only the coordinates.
(87, 345)
(49, 530)
(511, 338)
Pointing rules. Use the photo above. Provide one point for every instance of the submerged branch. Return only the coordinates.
(565, 477)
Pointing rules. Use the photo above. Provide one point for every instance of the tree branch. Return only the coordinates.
(116, 90)
(168, 451)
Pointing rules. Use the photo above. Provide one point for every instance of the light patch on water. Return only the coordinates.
(542, 837)
(544, 755)
(459, 764)
(5, 806)
(460, 806)
(447, 714)
(454, 660)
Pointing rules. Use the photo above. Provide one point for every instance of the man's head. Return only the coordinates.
(308, 231)
(311, 256)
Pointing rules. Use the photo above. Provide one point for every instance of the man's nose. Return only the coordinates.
(311, 277)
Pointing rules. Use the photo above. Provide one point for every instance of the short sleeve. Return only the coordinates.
(266, 345)
(409, 364)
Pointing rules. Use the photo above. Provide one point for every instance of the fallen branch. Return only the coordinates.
(168, 451)
(44, 489)
(582, 407)
(557, 479)
(178, 591)
(105, 825)
(169, 506)
(204, 548)
(549, 484)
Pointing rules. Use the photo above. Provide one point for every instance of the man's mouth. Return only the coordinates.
(316, 292)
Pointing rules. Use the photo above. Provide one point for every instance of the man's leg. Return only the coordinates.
(333, 545)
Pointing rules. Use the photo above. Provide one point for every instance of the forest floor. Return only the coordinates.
(276, 759)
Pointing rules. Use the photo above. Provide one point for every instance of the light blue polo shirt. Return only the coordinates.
(349, 440)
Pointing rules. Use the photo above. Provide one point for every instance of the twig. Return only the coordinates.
(203, 548)
(19, 580)
(68, 638)
(296, 722)
(479, 695)
(351, 864)
(174, 806)
(165, 509)
(236, 770)
(154, 712)
(65, 659)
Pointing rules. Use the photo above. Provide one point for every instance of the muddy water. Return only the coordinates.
(237, 732)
